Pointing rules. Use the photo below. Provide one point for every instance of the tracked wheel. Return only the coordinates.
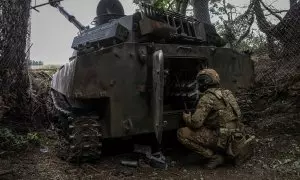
(81, 141)
(80, 137)
(85, 139)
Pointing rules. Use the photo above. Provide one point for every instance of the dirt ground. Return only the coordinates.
(274, 158)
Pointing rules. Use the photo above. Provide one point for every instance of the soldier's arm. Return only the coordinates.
(204, 107)
(233, 103)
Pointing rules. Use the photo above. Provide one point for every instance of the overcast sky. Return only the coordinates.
(52, 34)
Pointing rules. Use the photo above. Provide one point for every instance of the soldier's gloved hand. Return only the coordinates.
(187, 117)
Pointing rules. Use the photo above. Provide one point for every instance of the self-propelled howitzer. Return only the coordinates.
(134, 74)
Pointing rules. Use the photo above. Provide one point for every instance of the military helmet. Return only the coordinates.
(208, 77)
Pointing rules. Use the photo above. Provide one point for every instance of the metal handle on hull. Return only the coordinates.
(158, 93)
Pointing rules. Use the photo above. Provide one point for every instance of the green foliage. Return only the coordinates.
(235, 25)
(33, 138)
(162, 4)
(12, 141)
(174, 5)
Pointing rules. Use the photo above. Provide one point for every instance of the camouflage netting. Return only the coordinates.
(272, 104)
(42, 109)
(14, 81)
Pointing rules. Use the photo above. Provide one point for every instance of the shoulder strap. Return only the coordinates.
(216, 92)
(231, 100)
(228, 99)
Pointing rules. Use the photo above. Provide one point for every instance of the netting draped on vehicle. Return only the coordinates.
(14, 81)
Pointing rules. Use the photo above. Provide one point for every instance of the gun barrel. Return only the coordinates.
(70, 17)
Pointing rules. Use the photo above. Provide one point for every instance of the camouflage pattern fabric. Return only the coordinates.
(202, 141)
(217, 115)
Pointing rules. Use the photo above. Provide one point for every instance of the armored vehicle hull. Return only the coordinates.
(116, 82)
(136, 75)
(115, 85)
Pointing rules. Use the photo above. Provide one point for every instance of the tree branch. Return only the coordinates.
(278, 12)
(178, 2)
(246, 33)
(225, 10)
(247, 12)
(183, 6)
(171, 4)
(268, 9)
(264, 26)
(262, 22)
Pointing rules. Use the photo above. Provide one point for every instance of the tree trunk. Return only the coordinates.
(14, 79)
(264, 26)
(288, 31)
(183, 6)
(201, 11)
(292, 2)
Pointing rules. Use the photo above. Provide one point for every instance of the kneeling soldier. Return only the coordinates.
(214, 130)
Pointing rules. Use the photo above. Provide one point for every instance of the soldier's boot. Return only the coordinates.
(215, 161)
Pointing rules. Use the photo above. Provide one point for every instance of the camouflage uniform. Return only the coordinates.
(208, 129)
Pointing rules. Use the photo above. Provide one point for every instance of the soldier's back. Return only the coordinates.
(224, 105)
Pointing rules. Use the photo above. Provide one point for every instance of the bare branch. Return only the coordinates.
(246, 33)
(249, 9)
(268, 9)
(183, 6)
(225, 10)
(262, 22)
(264, 25)
(278, 12)
(178, 4)
(171, 4)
